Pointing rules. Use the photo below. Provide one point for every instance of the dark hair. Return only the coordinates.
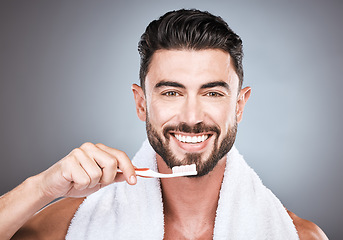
(189, 29)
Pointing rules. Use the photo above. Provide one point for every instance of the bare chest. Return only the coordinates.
(200, 231)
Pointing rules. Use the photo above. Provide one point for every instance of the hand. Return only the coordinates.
(85, 170)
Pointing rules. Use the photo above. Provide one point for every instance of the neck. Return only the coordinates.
(192, 202)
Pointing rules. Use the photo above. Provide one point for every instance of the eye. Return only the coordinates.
(171, 94)
(214, 94)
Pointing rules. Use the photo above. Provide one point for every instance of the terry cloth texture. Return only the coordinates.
(246, 209)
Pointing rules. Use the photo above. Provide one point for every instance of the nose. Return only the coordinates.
(191, 111)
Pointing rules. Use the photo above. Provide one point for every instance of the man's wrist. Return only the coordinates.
(35, 185)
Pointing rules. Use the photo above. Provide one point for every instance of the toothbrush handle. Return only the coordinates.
(148, 173)
(142, 172)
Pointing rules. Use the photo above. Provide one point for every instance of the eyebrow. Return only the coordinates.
(169, 84)
(216, 84)
(204, 86)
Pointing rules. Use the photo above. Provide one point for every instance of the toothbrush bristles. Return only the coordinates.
(185, 169)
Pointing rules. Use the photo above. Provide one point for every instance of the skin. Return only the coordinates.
(190, 203)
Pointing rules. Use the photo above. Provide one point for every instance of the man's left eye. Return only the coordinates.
(214, 94)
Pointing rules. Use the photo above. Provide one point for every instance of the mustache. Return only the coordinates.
(186, 128)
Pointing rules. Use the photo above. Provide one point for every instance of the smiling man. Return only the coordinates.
(191, 103)
(191, 98)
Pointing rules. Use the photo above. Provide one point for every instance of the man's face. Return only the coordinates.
(190, 106)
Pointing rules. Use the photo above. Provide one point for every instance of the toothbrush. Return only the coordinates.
(178, 171)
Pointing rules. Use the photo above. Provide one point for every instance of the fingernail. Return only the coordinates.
(133, 179)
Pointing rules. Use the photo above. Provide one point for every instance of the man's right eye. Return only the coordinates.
(171, 94)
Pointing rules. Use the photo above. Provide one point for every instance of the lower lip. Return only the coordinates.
(192, 147)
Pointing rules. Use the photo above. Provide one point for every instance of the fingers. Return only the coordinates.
(108, 160)
(85, 170)
(90, 167)
(75, 172)
(105, 163)
(123, 163)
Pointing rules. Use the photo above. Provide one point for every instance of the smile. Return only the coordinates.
(191, 139)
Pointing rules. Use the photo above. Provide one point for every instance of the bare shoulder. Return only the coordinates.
(306, 229)
(52, 222)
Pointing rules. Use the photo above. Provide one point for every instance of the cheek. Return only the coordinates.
(223, 114)
(160, 113)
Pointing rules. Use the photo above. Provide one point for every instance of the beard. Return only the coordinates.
(204, 166)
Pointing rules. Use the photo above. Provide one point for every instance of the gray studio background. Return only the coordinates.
(66, 68)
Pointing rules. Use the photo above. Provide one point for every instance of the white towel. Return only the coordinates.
(246, 208)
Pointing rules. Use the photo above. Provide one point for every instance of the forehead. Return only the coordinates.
(191, 67)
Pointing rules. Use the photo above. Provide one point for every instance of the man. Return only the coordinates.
(191, 98)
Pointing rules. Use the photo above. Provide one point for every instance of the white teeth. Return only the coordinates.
(189, 139)
(194, 139)
(183, 139)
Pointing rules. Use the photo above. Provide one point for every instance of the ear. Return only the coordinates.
(242, 100)
(139, 96)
